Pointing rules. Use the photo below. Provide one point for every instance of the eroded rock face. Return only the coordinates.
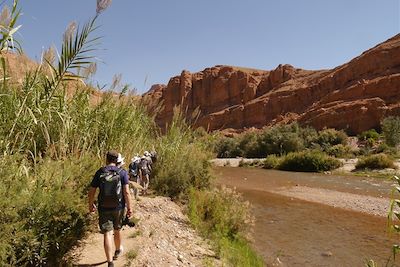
(354, 96)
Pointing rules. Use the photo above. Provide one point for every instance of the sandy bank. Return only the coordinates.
(361, 203)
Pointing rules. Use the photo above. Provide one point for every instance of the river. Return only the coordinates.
(301, 232)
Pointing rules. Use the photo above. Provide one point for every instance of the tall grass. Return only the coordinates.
(223, 216)
(53, 136)
(184, 161)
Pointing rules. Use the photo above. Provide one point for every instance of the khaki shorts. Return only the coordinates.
(111, 220)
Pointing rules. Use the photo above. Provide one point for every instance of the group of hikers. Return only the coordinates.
(114, 198)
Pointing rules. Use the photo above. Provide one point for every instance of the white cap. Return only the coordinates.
(135, 158)
(120, 160)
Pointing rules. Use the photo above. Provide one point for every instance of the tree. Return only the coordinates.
(391, 130)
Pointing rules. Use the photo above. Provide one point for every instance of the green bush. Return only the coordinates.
(223, 216)
(369, 135)
(280, 140)
(249, 145)
(183, 162)
(339, 151)
(391, 130)
(378, 161)
(308, 161)
(331, 137)
(43, 210)
(227, 147)
(271, 162)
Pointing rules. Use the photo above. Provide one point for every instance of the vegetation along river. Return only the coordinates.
(308, 219)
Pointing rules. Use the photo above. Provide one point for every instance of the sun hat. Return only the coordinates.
(120, 160)
(135, 158)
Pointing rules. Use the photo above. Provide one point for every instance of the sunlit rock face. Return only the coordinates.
(354, 96)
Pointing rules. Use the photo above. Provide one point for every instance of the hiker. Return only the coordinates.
(134, 174)
(114, 196)
(145, 169)
(153, 156)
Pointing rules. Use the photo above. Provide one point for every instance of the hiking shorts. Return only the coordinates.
(111, 220)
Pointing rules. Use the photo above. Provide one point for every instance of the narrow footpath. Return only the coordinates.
(162, 237)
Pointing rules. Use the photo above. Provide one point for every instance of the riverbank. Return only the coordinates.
(163, 236)
(361, 198)
(348, 166)
(313, 219)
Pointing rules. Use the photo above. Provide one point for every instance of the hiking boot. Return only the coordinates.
(110, 264)
(118, 253)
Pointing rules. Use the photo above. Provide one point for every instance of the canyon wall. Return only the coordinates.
(355, 96)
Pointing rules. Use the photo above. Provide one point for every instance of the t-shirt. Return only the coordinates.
(124, 181)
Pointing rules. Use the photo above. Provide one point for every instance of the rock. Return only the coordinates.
(277, 262)
(180, 258)
(354, 96)
(327, 254)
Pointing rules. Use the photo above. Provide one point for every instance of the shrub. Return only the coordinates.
(228, 148)
(391, 130)
(223, 216)
(271, 162)
(377, 161)
(330, 137)
(280, 140)
(339, 151)
(369, 135)
(308, 161)
(249, 144)
(183, 161)
(223, 212)
(47, 214)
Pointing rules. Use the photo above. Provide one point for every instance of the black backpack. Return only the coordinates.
(110, 195)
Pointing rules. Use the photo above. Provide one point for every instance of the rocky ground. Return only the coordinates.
(162, 237)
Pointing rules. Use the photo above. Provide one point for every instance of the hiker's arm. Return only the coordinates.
(92, 192)
(127, 197)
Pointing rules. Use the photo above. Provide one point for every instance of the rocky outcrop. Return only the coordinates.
(354, 96)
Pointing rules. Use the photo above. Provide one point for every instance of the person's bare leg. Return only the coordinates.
(108, 247)
(117, 239)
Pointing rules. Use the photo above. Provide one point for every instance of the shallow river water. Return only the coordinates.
(304, 233)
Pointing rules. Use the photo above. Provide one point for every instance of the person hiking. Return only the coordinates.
(134, 174)
(153, 156)
(114, 196)
(145, 169)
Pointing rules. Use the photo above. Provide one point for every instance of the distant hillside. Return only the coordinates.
(354, 96)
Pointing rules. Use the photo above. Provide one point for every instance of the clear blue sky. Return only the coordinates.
(150, 41)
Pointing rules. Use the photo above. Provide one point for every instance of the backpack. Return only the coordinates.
(110, 195)
(133, 169)
(144, 166)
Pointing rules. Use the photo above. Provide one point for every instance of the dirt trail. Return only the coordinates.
(162, 237)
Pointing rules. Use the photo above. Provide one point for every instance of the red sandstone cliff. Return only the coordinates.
(354, 96)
